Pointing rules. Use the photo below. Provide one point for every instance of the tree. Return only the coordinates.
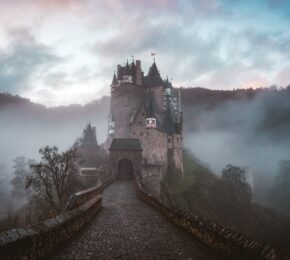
(21, 172)
(281, 187)
(235, 186)
(53, 176)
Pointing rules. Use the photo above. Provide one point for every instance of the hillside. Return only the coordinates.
(199, 192)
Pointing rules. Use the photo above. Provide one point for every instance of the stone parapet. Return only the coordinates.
(223, 240)
(81, 197)
(36, 241)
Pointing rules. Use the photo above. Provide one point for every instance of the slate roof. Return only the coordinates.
(153, 77)
(114, 81)
(167, 84)
(125, 144)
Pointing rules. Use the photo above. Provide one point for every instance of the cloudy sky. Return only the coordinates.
(58, 52)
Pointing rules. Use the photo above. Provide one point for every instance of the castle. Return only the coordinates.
(144, 113)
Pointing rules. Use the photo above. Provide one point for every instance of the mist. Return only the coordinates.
(248, 132)
(220, 128)
(26, 127)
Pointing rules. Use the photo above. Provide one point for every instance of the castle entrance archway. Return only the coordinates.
(125, 169)
(125, 157)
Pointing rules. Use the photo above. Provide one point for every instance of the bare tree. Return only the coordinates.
(53, 176)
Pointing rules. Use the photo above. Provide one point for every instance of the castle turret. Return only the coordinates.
(114, 82)
(138, 73)
(133, 71)
(167, 84)
(119, 72)
(89, 136)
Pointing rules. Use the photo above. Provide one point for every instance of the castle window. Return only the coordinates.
(147, 133)
(141, 133)
(169, 140)
(134, 133)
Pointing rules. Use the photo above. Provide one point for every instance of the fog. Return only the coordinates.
(25, 128)
(247, 132)
(251, 133)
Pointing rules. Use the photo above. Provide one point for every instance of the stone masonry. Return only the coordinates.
(127, 228)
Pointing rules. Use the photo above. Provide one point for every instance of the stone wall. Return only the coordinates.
(221, 239)
(153, 141)
(36, 241)
(150, 178)
(79, 198)
(125, 100)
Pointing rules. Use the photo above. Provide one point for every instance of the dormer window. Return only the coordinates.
(151, 122)
(128, 79)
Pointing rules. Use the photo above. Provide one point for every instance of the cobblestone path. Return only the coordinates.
(128, 228)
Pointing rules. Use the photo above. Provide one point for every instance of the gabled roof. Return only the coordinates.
(125, 144)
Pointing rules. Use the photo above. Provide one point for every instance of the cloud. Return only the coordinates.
(192, 54)
(210, 43)
(22, 59)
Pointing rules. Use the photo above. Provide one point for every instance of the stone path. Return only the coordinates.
(128, 228)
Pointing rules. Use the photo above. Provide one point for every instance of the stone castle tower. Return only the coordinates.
(144, 108)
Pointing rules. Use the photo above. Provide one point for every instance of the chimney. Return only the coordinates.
(138, 72)
(119, 76)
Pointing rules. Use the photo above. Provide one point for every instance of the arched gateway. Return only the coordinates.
(125, 156)
(125, 169)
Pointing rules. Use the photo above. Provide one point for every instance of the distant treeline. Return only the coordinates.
(211, 98)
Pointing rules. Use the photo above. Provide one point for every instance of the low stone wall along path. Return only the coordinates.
(128, 228)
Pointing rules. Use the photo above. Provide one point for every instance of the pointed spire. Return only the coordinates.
(89, 135)
(153, 71)
(167, 84)
(114, 81)
(127, 69)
